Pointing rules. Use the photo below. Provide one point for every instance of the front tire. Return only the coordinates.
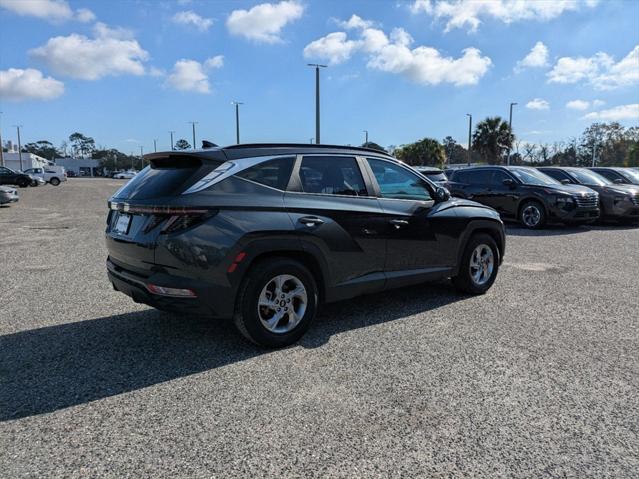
(24, 183)
(479, 265)
(276, 303)
(532, 215)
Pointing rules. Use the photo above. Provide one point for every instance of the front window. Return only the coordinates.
(587, 177)
(397, 182)
(632, 175)
(531, 176)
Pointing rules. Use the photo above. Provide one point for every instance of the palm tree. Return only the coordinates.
(427, 151)
(492, 138)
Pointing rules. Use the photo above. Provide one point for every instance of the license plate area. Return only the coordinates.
(122, 224)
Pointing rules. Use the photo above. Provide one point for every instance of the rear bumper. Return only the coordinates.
(214, 302)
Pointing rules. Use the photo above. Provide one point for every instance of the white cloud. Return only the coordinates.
(264, 22)
(578, 105)
(469, 13)
(51, 10)
(112, 52)
(618, 113)
(191, 75)
(423, 65)
(334, 48)
(355, 22)
(538, 104)
(536, 58)
(600, 70)
(189, 17)
(596, 103)
(17, 84)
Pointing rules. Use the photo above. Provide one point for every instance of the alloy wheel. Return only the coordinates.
(531, 216)
(282, 303)
(482, 264)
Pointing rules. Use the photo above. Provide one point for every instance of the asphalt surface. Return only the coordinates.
(538, 378)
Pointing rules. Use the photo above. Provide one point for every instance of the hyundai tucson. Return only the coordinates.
(525, 194)
(264, 233)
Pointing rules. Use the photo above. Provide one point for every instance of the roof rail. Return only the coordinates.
(303, 145)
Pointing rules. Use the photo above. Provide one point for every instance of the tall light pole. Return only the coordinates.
(311, 140)
(510, 128)
(237, 120)
(171, 131)
(1, 146)
(366, 139)
(155, 145)
(470, 128)
(193, 123)
(317, 99)
(141, 155)
(19, 145)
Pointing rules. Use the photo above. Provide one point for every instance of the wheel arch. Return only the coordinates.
(491, 227)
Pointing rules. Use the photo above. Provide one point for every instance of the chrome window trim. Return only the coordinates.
(228, 169)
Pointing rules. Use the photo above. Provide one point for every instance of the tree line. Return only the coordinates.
(611, 144)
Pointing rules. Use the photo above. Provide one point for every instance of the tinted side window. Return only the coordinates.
(556, 174)
(478, 177)
(499, 177)
(397, 182)
(274, 173)
(611, 175)
(333, 175)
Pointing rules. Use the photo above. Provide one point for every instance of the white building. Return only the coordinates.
(29, 160)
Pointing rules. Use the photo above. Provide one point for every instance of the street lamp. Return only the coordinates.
(171, 132)
(366, 139)
(470, 127)
(317, 99)
(19, 146)
(510, 128)
(237, 120)
(155, 145)
(193, 123)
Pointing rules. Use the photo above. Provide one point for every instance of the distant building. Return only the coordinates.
(81, 166)
(29, 160)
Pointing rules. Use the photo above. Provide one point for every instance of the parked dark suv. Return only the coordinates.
(264, 233)
(622, 176)
(10, 177)
(618, 202)
(525, 194)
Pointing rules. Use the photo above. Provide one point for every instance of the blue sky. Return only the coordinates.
(126, 72)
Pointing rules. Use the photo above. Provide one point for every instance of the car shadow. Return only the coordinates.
(547, 230)
(47, 369)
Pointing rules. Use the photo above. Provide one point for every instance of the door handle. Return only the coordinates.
(398, 223)
(311, 221)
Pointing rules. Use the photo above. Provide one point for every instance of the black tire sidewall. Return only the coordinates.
(255, 281)
(464, 279)
(54, 181)
(542, 214)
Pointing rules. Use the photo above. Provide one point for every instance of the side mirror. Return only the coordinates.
(508, 182)
(442, 194)
(565, 181)
(619, 181)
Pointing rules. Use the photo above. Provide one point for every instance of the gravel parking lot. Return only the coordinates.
(539, 378)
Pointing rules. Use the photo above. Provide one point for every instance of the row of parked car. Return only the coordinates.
(53, 175)
(536, 196)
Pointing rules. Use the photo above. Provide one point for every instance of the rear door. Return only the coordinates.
(417, 241)
(338, 219)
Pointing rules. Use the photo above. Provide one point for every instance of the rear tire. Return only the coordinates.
(54, 181)
(532, 215)
(24, 183)
(276, 303)
(479, 265)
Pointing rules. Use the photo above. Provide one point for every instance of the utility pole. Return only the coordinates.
(470, 128)
(193, 123)
(19, 145)
(317, 99)
(510, 127)
(171, 131)
(1, 145)
(155, 145)
(141, 155)
(311, 140)
(237, 120)
(594, 160)
(366, 139)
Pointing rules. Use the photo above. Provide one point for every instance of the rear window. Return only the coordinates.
(166, 177)
(435, 175)
(274, 173)
(334, 175)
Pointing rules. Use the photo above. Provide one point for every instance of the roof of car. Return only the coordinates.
(430, 169)
(247, 150)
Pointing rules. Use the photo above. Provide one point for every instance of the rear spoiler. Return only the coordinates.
(185, 159)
